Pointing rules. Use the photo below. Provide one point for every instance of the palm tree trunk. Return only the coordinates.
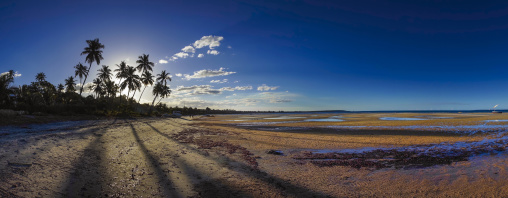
(133, 94)
(128, 93)
(159, 101)
(83, 84)
(153, 103)
(141, 94)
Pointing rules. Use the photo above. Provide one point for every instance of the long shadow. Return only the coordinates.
(86, 180)
(286, 187)
(166, 184)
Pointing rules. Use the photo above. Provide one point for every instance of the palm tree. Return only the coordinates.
(132, 80)
(146, 79)
(163, 77)
(120, 72)
(93, 54)
(111, 88)
(104, 73)
(5, 89)
(164, 93)
(69, 84)
(159, 90)
(40, 77)
(60, 88)
(80, 71)
(97, 87)
(144, 63)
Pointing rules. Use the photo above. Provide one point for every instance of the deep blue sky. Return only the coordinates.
(352, 55)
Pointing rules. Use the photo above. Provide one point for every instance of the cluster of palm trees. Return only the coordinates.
(42, 93)
(104, 86)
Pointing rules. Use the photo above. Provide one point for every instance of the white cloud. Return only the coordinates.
(208, 73)
(213, 52)
(229, 47)
(201, 55)
(189, 49)
(178, 74)
(162, 61)
(181, 55)
(219, 81)
(239, 88)
(210, 41)
(16, 74)
(267, 88)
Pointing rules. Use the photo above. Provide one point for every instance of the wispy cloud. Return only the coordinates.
(240, 88)
(267, 88)
(198, 90)
(208, 73)
(207, 90)
(178, 74)
(162, 61)
(219, 81)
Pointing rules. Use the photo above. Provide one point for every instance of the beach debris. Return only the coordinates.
(274, 152)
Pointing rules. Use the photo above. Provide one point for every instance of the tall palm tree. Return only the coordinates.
(132, 80)
(144, 63)
(120, 72)
(163, 77)
(104, 73)
(40, 77)
(146, 79)
(80, 71)
(70, 84)
(157, 89)
(93, 54)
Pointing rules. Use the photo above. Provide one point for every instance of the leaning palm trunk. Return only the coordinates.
(83, 84)
(159, 101)
(153, 103)
(139, 100)
(133, 94)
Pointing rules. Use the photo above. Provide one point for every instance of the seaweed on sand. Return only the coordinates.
(197, 136)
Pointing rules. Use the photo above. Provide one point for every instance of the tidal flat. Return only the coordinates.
(304, 155)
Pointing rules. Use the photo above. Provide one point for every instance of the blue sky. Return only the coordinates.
(278, 55)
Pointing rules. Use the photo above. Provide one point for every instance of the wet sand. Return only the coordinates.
(219, 157)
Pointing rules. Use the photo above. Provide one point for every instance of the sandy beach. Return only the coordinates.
(259, 155)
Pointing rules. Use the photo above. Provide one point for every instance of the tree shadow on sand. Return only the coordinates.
(209, 189)
(86, 179)
(164, 181)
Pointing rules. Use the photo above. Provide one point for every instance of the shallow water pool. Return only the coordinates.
(398, 118)
(324, 120)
